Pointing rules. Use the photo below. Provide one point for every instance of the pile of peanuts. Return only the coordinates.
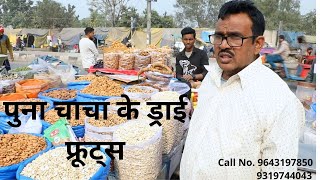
(63, 94)
(55, 166)
(89, 77)
(51, 116)
(20, 107)
(138, 89)
(103, 86)
(16, 148)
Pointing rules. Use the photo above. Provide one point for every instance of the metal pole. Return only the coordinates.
(149, 22)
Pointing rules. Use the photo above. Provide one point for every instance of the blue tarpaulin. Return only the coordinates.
(291, 37)
(205, 35)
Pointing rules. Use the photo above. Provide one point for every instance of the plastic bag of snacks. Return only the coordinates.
(159, 57)
(12, 97)
(59, 133)
(32, 87)
(111, 60)
(126, 61)
(55, 80)
(142, 60)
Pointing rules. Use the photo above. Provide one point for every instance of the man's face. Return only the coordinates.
(233, 59)
(280, 40)
(91, 35)
(188, 40)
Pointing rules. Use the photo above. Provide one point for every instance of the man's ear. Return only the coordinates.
(259, 42)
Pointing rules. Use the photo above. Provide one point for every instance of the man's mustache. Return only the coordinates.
(226, 51)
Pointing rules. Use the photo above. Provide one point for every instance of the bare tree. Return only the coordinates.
(110, 8)
(203, 13)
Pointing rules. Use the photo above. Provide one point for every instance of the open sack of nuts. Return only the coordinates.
(7, 82)
(171, 96)
(103, 86)
(54, 165)
(157, 72)
(172, 129)
(142, 154)
(16, 148)
(140, 92)
(102, 130)
(59, 94)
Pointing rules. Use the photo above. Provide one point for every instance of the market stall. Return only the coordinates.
(145, 76)
(152, 81)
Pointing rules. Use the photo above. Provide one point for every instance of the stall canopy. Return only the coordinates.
(139, 38)
(12, 34)
(170, 36)
(291, 37)
(205, 35)
(71, 36)
(36, 37)
(117, 34)
(101, 33)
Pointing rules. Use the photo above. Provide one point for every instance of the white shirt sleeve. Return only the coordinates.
(281, 138)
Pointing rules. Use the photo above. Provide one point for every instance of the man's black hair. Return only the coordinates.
(188, 30)
(88, 30)
(281, 37)
(309, 48)
(301, 39)
(248, 7)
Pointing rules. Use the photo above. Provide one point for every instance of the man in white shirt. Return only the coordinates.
(89, 52)
(251, 118)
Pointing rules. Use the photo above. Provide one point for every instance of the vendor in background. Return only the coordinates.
(59, 44)
(309, 51)
(190, 62)
(88, 50)
(311, 78)
(51, 45)
(303, 46)
(18, 43)
(279, 55)
(5, 46)
(245, 111)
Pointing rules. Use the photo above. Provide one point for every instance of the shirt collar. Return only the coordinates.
(194, 50)
(245, 75)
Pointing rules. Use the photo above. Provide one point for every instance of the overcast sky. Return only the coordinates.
(161, 6)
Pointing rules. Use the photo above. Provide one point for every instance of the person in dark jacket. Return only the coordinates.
(191, 61)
